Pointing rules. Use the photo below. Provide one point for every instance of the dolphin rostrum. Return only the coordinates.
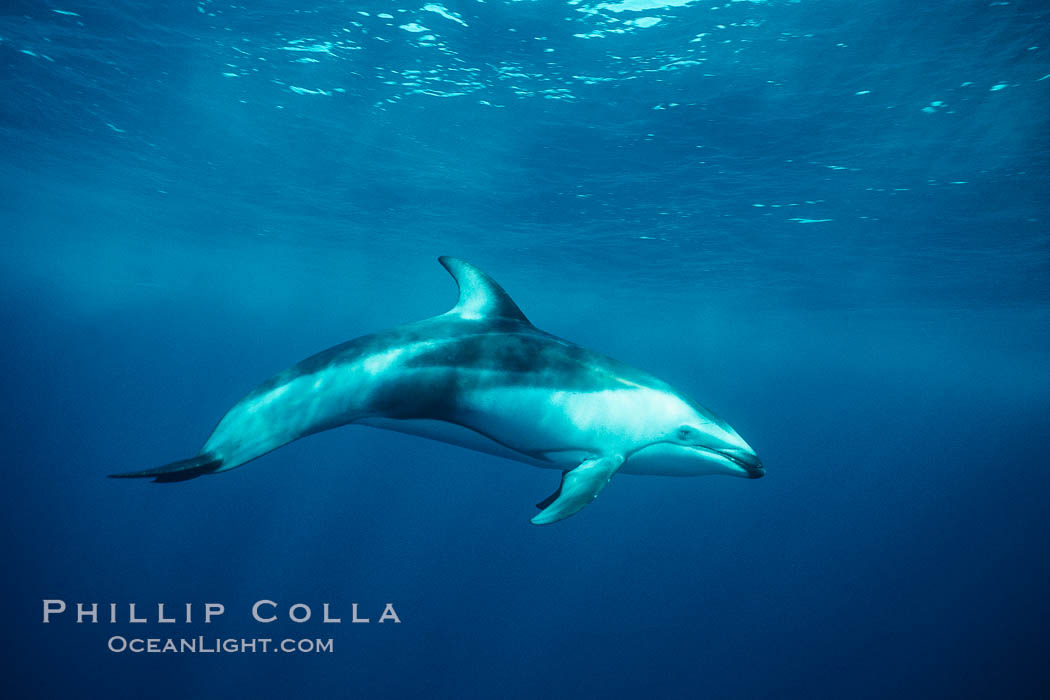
(483, 377)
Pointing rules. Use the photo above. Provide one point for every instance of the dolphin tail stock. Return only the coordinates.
(182, 470)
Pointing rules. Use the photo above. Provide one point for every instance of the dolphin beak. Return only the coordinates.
(747, 460)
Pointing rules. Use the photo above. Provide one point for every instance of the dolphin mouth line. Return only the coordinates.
(751, 469)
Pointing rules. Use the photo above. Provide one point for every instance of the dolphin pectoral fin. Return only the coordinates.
(554, 496)
(578, 487)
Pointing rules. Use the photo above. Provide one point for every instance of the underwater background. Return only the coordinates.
(826, 220)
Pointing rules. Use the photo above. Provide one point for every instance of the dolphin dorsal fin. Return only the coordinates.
(480, 297)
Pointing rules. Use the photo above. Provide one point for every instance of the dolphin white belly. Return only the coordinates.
(454, 434)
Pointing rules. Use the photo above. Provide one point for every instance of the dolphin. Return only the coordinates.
(483, 377)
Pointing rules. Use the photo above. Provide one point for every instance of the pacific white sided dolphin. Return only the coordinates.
(483, 377)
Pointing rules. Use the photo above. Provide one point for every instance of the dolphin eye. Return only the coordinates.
(685, 433)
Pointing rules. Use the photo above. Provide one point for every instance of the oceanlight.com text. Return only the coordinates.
(218, 645)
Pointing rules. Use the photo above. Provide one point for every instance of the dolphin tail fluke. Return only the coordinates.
(176, 471)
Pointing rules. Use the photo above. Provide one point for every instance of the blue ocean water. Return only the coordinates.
(826, 220)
